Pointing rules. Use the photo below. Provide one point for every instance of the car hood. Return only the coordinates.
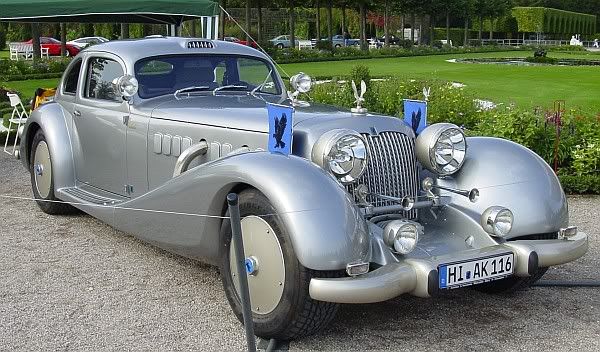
(245, 112)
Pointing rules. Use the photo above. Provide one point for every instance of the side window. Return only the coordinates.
(71, 78)
(100, 76)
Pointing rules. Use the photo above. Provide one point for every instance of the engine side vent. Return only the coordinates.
(200, 44)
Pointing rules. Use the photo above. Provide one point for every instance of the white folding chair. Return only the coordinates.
(18, 117)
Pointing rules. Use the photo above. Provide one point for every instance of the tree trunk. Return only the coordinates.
(431, 29)
(63, 39)
(480, 34)
(259, 34)
(402, 25)
(318, 6)
(413, 19)
(222, 20)
(344, 27)
(248, 20)
(448, 27)
(421, 20)
(35, 36)
(363, 30)
(330, 21)
(124, 30)
(292, 23)
(386, 25)
(491, 28)
(466, 39)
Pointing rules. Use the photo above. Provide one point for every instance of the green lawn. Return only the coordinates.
(4, 54)
(525, 86)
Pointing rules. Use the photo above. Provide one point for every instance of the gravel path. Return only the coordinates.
(73, 283)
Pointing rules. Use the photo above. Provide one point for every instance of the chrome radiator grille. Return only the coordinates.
(392, 169)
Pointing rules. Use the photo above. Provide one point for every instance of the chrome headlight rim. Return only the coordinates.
(301, 82)
(322, 153)
(435, 140)
(497, 221)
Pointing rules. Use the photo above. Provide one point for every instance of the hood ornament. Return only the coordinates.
(360, 98)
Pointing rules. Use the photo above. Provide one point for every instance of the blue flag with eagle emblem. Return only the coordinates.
(280, 128)
(415, 114)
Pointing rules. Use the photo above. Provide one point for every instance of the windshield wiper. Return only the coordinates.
(190, 89)
(260, 86)
(230, 86)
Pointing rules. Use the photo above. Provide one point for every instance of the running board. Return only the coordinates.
(83, 196)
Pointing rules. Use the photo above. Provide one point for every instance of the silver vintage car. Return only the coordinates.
(151, 135)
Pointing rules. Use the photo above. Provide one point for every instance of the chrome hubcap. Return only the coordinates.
(265, 267)
(42, 169)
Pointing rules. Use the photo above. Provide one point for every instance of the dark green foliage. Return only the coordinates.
(580, 184)
(542, 60)
(324, 45)
(548, 20)
(21, 70)
(406, 44)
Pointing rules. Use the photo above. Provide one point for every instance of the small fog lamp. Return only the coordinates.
(402, 235)
(497, 221)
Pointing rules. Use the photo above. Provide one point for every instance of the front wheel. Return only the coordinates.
(278, 283)
(279, 46)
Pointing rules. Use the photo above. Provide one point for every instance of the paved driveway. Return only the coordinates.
(73, 283)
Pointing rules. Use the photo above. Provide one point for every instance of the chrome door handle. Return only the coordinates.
(77, 113)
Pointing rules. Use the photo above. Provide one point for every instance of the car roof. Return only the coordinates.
(132, 50)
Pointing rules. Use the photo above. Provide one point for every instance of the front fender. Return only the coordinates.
(510, 175)
(327, 231)
(50, 118)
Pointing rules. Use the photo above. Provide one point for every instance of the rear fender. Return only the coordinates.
(50, 118)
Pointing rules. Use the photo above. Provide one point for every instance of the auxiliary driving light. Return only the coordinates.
(402, 235)
(497, 221)
(357, 268)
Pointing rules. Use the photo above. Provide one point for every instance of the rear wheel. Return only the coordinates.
(42, 178)
(279, 46)
(278, 283)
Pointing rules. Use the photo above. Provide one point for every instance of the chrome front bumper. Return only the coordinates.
(419, 277)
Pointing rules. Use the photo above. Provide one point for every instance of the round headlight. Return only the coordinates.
(442, 148)
(497, 221)
(401, 235)
(343, 153)
(301, 82)
(127, 85)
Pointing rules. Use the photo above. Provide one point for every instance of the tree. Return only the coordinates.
(63, 39)
(318, 8)
(248, 21)
(330, 21)
(35, 36)
(292, 19)
(260, 21)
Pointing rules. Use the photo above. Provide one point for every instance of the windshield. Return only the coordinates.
(169, 74)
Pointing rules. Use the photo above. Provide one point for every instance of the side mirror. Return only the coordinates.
(127, 86)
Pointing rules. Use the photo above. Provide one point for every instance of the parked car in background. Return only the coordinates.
(242, 42)
(53, 46)
(393, 39)
(87, 41)
(283, 41)
(339, 41)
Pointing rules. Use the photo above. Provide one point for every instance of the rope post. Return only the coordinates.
(238, 246)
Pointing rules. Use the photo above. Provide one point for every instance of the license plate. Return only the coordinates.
(476, 271)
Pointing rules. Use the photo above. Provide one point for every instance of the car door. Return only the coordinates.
(99, 123)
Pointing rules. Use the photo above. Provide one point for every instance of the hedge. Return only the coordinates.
(548, 20)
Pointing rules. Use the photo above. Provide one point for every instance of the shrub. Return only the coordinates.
(360, 73)
(542, 60)
(405, 43)
(580, 184)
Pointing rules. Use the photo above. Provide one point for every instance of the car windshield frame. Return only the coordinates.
(278, 88)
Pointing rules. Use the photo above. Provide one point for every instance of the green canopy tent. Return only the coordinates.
(172, 12)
